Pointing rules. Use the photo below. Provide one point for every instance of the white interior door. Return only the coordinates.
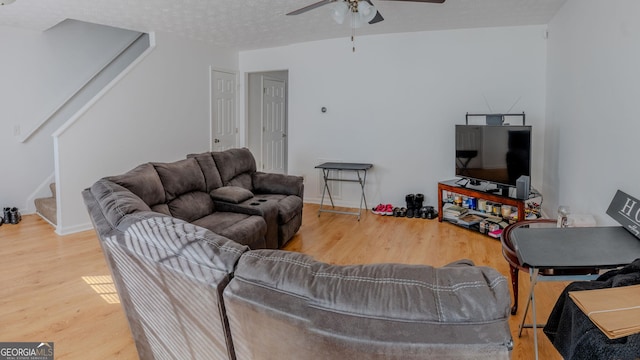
(274, 126)
(224, 130)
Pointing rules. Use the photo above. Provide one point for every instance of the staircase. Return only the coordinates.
(46, 207)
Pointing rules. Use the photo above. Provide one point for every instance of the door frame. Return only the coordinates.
(253, 111)
(235, 73)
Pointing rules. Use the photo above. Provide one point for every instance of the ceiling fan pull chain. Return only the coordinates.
(353, 32)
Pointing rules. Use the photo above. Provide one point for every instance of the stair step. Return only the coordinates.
(47, 207)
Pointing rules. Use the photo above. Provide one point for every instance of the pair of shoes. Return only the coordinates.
(428, 212)
(399, 212)
(414, 204)
(383, 209)
(379, 209)
(410, 199)
(11, 215)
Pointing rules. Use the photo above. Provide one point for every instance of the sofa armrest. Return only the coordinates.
(236, 208)
(265, 183)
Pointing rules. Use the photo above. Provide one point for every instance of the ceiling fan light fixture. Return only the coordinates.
(360, 11)
(339, 11)
(366, 11)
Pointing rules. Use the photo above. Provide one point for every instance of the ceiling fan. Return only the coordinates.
(364, 8)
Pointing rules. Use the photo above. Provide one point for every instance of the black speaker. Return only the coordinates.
(523, 187)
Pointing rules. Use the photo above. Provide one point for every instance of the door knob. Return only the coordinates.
(215, 141)
(284, 135)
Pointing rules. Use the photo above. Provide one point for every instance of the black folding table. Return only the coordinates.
(361, 171)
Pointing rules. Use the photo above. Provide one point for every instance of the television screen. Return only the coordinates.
(498, 154)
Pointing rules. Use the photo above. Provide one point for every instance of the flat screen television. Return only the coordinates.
(493, 153)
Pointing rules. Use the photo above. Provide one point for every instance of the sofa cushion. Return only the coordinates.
(231, 194)
(266, 183)
(242, 180)
(245, 229)
(209, 169)
(180, 177)
(143, 181)
(233, 163)
(191, 206)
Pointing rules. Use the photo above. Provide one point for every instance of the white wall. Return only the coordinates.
(39, 71)
(593, 119)
(394, 102)
(159, 111)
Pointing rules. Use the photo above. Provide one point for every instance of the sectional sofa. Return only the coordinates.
(202, 278)
(219, 191)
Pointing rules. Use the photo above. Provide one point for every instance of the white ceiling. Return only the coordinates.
(253, 24)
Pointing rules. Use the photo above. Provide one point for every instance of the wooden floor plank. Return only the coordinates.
(43, 296)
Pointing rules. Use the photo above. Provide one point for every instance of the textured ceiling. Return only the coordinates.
(252, 24)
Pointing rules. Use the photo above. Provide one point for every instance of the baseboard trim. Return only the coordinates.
(45, 219)
(60, 230)
(337, 203)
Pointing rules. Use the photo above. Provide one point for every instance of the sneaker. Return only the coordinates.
(379, 210)
(388, 209)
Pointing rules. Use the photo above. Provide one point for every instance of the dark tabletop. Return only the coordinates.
(577, 247)
(344, 166)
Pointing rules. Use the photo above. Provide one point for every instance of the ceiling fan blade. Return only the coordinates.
(423, 1)
(311, 7)
(378, 16)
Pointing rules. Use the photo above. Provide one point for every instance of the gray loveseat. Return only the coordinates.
(190, 292)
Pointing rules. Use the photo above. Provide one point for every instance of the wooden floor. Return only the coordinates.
(57, 289)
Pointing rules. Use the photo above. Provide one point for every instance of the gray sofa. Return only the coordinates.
(192, 292)
(220, 191)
